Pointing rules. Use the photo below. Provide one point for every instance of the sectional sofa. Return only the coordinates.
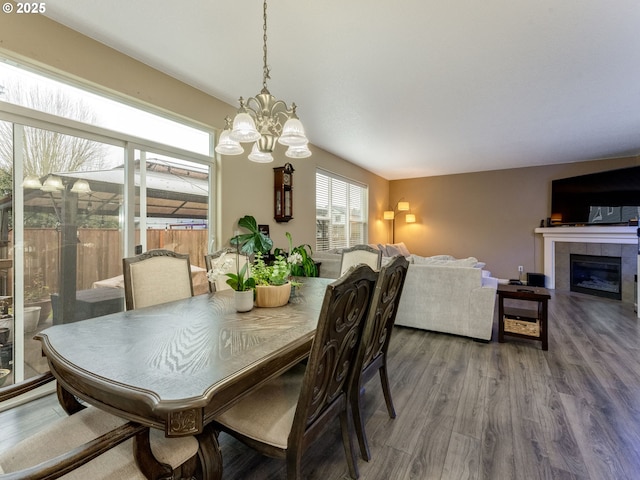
(441, 293)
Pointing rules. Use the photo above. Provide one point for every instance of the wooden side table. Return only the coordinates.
(531, 323)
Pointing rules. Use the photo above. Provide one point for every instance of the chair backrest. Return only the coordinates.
(331, 363)
(360, 254)
(228, 265)
(384, 306)
(157, 276)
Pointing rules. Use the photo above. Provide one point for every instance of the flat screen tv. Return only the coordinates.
(611, 197)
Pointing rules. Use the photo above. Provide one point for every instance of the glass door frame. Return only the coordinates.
(20, 117)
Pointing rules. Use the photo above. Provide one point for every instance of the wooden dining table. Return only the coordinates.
(177, 365)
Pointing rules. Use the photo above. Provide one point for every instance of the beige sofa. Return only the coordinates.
(441, 294)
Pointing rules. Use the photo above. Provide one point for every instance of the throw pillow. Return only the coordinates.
(392, 249)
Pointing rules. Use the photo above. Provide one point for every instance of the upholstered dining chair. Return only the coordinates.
(93, 444)
(232, 255)
(360, 254)
(283, 417)
(372, 357)
(157, 276)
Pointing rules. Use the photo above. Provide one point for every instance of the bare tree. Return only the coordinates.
(46, 151)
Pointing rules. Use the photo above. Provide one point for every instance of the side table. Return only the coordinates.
(529, 322)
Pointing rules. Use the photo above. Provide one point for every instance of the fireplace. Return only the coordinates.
(596, 275)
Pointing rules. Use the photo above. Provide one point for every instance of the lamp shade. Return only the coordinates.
(81, 186)
(293, 133)
(388, 215)
(52, 184)
(260, 157)
(244, 128)
(31, 182)
(403, 206)
(227, 145)
(298, 151)
(410, 218)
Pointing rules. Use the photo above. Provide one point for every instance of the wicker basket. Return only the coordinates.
(531, 329)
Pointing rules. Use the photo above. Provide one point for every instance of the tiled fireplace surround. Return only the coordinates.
(561, 242)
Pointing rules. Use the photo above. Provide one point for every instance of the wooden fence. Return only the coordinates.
(99, 253)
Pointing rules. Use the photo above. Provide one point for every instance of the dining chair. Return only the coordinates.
(231, 254)
(372, 357)
(154, 277)
(93, 444)
(283, 417)
(360, 254)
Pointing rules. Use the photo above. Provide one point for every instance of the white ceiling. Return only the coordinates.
(409, 88)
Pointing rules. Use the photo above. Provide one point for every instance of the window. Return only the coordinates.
(341, 211)
(79, 189)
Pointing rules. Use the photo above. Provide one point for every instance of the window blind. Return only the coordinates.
(341, 211)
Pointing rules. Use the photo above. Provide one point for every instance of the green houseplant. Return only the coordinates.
(304, 265)
(241, 281)
(253, 242)
(273, 281)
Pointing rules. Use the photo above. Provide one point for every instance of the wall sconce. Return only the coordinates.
(391, 215)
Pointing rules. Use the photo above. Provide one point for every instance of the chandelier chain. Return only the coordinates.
(265, 68)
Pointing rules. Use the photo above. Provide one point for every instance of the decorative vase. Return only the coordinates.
(244, 300)
(272, 295)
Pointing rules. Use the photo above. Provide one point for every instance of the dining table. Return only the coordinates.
(177, 365)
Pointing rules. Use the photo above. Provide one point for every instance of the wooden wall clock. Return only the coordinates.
(283, 193)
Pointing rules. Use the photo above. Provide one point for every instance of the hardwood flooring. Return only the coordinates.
(470, 410)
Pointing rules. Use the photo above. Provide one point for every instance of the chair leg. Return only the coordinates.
(356, 412)
(293, 459)
(347, 427)
(384, 379)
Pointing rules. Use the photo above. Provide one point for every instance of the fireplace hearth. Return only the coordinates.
(596, 275)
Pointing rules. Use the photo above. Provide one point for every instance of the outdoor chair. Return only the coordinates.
(377, 336)
(283, 417)
(156, 276)
(360, 254)
(93, 444)
(231, 254)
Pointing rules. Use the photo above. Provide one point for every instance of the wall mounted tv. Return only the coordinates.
(611, 197)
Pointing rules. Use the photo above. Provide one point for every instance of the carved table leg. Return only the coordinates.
(146, 461)
(69, 403)
(209, 454)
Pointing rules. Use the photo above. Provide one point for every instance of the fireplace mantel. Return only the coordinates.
(592, 234)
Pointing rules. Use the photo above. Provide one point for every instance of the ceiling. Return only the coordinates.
(410, 88)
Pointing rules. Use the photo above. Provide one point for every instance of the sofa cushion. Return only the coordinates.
(448, 262)
(392, 249)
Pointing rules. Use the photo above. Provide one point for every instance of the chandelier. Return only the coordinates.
(264, 120)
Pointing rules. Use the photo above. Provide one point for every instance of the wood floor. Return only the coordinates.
(469, 410)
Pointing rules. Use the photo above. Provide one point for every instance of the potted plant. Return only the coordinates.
(253, 242)
(303, 265)
(273, 281)
(241, 282)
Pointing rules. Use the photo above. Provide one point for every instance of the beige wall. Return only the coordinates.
(487, 215)
(244, 187)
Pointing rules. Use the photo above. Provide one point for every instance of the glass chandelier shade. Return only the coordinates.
(228, 146)
(259, 156)
(293, 134)
(244, 128)
(301, 151)
(265, 120)
(52, 184)
(81, 187)
(31, 182)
